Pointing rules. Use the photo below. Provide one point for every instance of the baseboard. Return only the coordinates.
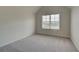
(15, 40)
(55, 35)
(75, 44)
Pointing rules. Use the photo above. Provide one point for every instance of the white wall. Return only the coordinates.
(75, 26)
(16, 23)
(64, 21)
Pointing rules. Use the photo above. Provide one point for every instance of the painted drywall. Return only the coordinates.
(16, 23)
(64, 20)
(75, 26)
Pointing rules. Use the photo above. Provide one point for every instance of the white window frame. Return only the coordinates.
(50, 21)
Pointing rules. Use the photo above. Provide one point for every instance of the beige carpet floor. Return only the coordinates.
(40, 43)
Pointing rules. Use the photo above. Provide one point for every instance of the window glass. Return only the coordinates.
(54, 21)
(45, 21)
(51, 21)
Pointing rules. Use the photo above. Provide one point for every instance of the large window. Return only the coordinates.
(51, 21)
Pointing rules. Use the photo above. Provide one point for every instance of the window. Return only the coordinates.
(45, 21)
(51, 21)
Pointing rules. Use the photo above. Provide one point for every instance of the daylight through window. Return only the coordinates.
(51, 21)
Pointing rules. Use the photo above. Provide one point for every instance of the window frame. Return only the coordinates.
(51, 21)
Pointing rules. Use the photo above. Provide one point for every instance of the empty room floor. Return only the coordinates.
(40, 43)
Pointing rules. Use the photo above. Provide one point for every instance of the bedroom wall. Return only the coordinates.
(75, 26)
(64, 20)
(16, 23)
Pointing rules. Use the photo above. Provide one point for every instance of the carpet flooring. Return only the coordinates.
(40, 43)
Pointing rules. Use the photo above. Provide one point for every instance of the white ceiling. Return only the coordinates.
(30, 9)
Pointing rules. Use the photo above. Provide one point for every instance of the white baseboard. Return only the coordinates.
(14, 40)
(55, 35)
